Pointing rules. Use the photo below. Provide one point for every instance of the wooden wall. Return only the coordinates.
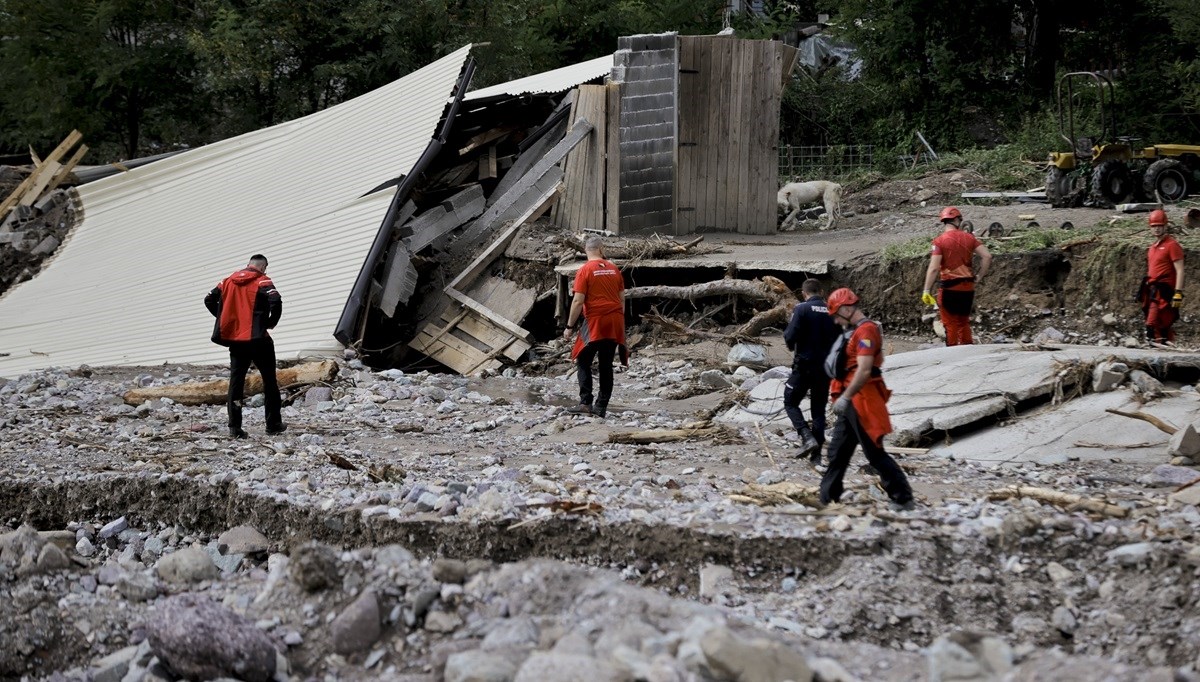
(728, 134)
(582, 204)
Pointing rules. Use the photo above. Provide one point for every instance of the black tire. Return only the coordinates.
(1112, 183)
(1166, 180)
(1063, 188)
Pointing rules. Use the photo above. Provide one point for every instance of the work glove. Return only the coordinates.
(928, 299)
(1177, 301)
(840, 405)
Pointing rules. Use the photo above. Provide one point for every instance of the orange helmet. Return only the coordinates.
(1158, 217)
(950, 213)
(839, 298)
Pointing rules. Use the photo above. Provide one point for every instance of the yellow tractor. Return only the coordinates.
(1104, 169)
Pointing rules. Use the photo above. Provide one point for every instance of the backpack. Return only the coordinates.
(835, 361)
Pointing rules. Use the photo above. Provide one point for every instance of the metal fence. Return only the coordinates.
(798, 162)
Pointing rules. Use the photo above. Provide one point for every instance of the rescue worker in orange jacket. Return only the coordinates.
(950, 267)
(1161, 293)
(247, 306)
(860, 396)
(598, 312)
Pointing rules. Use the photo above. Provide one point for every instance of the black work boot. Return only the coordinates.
(600, 409)
(808, 442)
(237, 432)
(581, 408)
(276, 429)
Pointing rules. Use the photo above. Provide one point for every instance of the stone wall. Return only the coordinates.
(647, 67)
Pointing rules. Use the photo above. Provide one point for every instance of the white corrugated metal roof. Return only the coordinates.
(127, 286)
(551, 81)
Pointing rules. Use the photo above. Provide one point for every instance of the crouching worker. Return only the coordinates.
(860, 402)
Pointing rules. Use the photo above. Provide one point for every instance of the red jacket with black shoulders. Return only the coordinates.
(246, 305)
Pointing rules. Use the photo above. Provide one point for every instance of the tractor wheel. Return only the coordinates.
(1112, 183)
(1166, 180)
(1064, 189)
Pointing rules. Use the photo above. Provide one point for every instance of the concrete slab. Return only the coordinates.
(1079, 429)
(941, 389)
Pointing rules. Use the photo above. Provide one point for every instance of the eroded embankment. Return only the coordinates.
(1040, 578)
(1024, 293)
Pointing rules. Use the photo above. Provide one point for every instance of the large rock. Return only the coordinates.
(199, 639)
(190, 565)
(1185, 442)
(715, 378)
(544, 666)
(357, 627)
(20, 549)
(756, 660)
(314, 566)
(1169, 476)
(480, 666)
(243, 540)
(1108, 376)
(967, 656)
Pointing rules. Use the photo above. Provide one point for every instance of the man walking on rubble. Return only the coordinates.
(1161, 293)
(247, 305)
(950, 266)
(854, 365)
(599, 303)
(809, 335)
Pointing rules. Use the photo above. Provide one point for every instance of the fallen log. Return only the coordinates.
(647, 248)
(1162, 425)
(753, 289)
(216, 392)
(775, 494)
(1067, 501)
(768, 289)
(662, 435)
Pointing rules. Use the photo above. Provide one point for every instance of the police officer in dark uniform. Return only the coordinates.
(809, 336)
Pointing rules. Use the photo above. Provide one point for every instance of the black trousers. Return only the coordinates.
(260, 353)
(606, 350)
(847, 433)
(811, 381)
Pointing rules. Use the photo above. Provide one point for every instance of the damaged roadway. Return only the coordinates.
(491, 471)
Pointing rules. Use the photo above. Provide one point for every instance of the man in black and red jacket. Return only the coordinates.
(247, 305)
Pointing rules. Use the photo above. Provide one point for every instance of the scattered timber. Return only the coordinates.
(635, 249)
(1162, 425)
(771, 289)
(1067, 501)
(690, 432)
(216, 392)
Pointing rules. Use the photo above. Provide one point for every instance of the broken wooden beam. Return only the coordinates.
(439, 221)
(1067, 501)
(217, 392)
(1158, 423)
(752, 289)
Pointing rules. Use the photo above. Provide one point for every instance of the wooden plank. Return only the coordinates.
(739, 122)
(687, 143)
(593, 205)
(748, 115)
(484, 332)
(484, 259)
(491, 315)
(755, 114)
(788, 56)
(504, 297)
(486, 137)
(527, 159)
(485, 222)
(45, 173)
(713, 142)
(612, 158)
(561, 215)
(26, 185)
(399, 279)
(770, 130)
(459, 209)
(66, 168)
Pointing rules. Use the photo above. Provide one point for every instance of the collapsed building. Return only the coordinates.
(389, 218)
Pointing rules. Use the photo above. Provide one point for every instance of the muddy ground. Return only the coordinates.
(472, 520)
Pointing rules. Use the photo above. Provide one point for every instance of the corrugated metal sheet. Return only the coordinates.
(127, 287)
(557, 80)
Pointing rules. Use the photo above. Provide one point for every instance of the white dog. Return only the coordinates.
(794, 195)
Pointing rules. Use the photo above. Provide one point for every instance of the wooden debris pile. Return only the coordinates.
(36, 215)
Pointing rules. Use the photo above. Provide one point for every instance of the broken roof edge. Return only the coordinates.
(548, 82)
(348, 331)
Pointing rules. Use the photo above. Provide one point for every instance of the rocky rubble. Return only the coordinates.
(147, 510)
(31, 234)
